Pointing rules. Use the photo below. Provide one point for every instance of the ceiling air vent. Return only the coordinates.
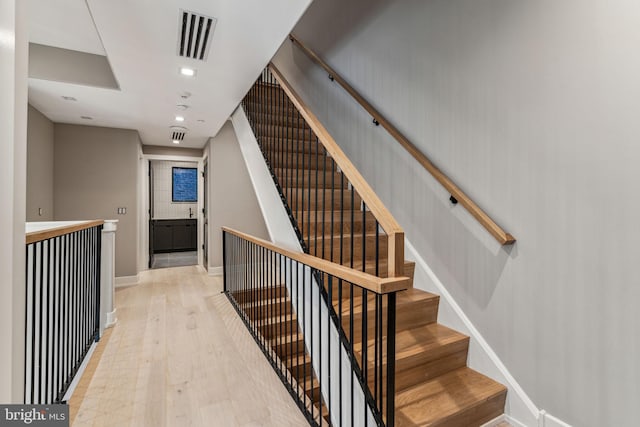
(194, 36)
(178, 133)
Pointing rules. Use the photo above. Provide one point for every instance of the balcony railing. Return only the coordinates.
(63, 292)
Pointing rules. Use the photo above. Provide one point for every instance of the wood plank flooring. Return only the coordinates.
(180, 356)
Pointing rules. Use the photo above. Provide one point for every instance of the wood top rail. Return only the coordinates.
(395, 234)
(367, 281)
(38, 236)
(489, 224)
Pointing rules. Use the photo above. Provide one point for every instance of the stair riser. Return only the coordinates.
(279, 328)
(281, 118)
(413, 372)
(324, 180)
(275, 131)
(245, 297)
(300, 370)
(256, 108)
(311, 199)
(315, 248)
(267, 310)
(302, 163)
(292, 145)
(286, 349)
(408, 316)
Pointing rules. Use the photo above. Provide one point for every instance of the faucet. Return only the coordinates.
(190, 213)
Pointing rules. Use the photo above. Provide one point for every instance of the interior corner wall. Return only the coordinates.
(39, 166)
(531, 107)
(96, 172)
(233, 202)
(13, 162)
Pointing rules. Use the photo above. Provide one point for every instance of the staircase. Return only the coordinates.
(433, 385)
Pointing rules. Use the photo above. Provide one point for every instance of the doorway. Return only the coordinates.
(173, 213)
(205, 213)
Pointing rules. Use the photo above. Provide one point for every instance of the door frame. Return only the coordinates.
(143, 219)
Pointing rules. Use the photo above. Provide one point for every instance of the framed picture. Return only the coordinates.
(184, 185)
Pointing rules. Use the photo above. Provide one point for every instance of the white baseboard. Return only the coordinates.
(216, 271)
(127, 280)
(111, 319)
(78, 375)
(520, 411)
(547, 420)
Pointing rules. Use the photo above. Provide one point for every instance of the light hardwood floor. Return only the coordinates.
(180, 356)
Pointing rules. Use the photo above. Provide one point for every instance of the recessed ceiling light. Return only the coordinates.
(86, 117)
(175, 141)
(182, 107)
(179, 119)
(69, 98)
(189, 72)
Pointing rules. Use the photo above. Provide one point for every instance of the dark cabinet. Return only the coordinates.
(174, 235)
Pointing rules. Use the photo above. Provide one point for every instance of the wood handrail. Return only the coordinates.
(395, 234)
(367, 281)
(38, 236)
(375, 205)
(485, 220)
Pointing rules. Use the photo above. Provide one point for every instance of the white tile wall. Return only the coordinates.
(164, 208)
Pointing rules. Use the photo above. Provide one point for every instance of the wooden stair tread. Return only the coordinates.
(453, 399)
(433, 385)
(422, 344)
(404, 297)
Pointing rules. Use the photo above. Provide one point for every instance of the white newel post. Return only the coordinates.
(108, 275)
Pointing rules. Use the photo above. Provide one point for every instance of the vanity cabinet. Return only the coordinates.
(174, 235)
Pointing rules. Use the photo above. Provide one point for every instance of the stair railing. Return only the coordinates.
(313, 176)
(62, 306)
(457, 195)
(292, 303)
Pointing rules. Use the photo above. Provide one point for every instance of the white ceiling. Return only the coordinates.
(139, 38)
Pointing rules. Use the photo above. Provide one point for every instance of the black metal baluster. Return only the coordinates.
(41, 338)
(303, 188)
(309, 199)
(365, 345)
(333, 178)
(391, 360)
(352, 357)
(324, 197)
(304, 326)
(315, 219)
(329, 308)
(340, 348)
(311, 338)
(352, 227)
(364, 235)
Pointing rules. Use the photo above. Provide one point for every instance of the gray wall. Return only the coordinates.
(532, 108)
(171, 151)
(13, 165)
(96, 171)
(39, 166)
(233, 202)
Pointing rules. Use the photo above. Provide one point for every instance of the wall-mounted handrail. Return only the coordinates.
(387, 222)
(458, 195)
